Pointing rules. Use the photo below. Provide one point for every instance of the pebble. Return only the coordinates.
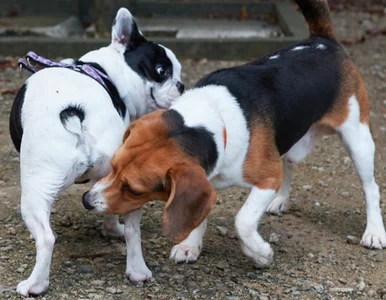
(347, 160)
(113, 290)
(95, 296)
(319, 288)
(97, 282)
(342, 280)
(3, 249)
(307, 187)
(342, 290)
(274, 238)
(222, 231)
(65, 221)
(361, 286)
(352, 240)
(86, 270)
(222, 266)
(345, 194)
(316, 203)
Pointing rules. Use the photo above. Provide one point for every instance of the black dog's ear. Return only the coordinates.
(125, 34)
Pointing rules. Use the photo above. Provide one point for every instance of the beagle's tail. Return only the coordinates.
(318, 17)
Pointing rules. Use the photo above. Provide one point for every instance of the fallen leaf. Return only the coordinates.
(7, 91)
(348, 42)
(244, 13)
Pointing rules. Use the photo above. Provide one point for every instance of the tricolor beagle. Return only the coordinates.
(247, 126)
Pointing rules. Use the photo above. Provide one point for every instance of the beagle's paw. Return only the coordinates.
(278, 206)
(139, 275)
(32, 287)
(374, 239)
(185, 254)
(261, 255)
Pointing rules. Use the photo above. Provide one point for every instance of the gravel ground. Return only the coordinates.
(314, 258)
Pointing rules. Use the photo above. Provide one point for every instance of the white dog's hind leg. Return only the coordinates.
(358, 142)
(38, 194)
(190, 249)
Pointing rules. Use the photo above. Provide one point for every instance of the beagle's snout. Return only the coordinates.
(180, 87)
(85, 201)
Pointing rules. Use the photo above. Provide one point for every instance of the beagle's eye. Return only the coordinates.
(128, 189)
(161, 71)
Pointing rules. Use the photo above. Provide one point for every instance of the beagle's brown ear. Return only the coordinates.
(191, 200)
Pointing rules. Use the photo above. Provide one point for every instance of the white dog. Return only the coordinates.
(67, 126)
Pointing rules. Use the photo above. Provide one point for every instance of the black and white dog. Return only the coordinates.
(67, 127)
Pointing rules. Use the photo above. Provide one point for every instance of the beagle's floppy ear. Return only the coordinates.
(191, 200)
(125, 34)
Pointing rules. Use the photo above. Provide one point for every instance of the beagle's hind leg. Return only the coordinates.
(358, 142)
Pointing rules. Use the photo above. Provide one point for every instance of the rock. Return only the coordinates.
(345, 194)
(318, 288)
(182, 294)
(232, 235)
(65, 221)
(97, 282)
(310, 255)
(113, 290)
(274, 238)
(352, 240)
(222, 266)
(4, 249)
(222, 231)
(342, 280)
(316, 203)
(347, 160)
(307, 187)
(95, 296)
(86, 270)
(361, 286)
(342, 290)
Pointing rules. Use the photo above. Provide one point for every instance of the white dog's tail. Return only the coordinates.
(72, 118)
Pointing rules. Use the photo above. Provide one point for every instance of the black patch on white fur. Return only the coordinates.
(72, 111)
(112, 90)
(196, 141)
(291, 92)
(15, 126)
(146, 58)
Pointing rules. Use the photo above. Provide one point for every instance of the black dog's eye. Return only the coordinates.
(127, 188)
(161, 71)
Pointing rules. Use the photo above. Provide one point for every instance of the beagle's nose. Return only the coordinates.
(86, 202)
(180, 87)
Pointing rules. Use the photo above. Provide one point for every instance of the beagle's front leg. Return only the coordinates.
(247, 221)
(136, 269)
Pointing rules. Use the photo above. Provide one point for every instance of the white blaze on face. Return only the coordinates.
(96, 198)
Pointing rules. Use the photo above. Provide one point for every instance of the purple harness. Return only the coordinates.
(35, 63)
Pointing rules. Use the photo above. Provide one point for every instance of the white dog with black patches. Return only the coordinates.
(67, 126)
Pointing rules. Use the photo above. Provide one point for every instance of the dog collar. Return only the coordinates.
(35, 63)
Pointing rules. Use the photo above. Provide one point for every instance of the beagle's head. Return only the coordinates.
(150, 165)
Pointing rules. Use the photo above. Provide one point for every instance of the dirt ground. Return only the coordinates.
(313, 258)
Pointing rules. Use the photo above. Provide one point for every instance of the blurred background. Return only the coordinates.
(222, 29)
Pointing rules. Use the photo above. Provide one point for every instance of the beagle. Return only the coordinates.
(246, 126)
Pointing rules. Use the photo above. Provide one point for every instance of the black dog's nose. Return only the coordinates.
(180, 87)
(85, 202)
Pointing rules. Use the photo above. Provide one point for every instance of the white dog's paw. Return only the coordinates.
(31, 287)
(185, 254)
(139, 275)
(262, 257)
(114, 231)
(278, 206)
(374, 239)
